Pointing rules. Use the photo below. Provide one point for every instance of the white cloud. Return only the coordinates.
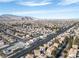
(34, 3)
(68, 2)
(4, 1)
(28, 12)
(24, 12)
(64, 13)
(39, 11)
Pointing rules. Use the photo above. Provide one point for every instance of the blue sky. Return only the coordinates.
(53, 9)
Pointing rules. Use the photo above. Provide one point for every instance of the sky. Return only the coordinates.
(53, 9)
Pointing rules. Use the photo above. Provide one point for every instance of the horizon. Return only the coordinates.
(43, 9)
(61, 19)
(57, 19)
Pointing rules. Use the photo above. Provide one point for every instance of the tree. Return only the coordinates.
(76, 41)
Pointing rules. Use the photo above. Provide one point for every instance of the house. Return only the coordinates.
(72, 53)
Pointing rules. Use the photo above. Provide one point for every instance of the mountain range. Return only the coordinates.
(14, 17)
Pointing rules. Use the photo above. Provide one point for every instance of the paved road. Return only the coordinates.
(59, 51)
(17, 38)
(40, 42)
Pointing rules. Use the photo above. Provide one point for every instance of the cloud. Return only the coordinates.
(35, 3)
(68, 2)
(24, 12)
(4, 1)
(27, 12)
(17, 12)
(55, 14)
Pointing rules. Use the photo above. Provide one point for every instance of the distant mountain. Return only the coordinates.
(14, 17)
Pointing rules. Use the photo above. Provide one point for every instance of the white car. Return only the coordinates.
(41, 37)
